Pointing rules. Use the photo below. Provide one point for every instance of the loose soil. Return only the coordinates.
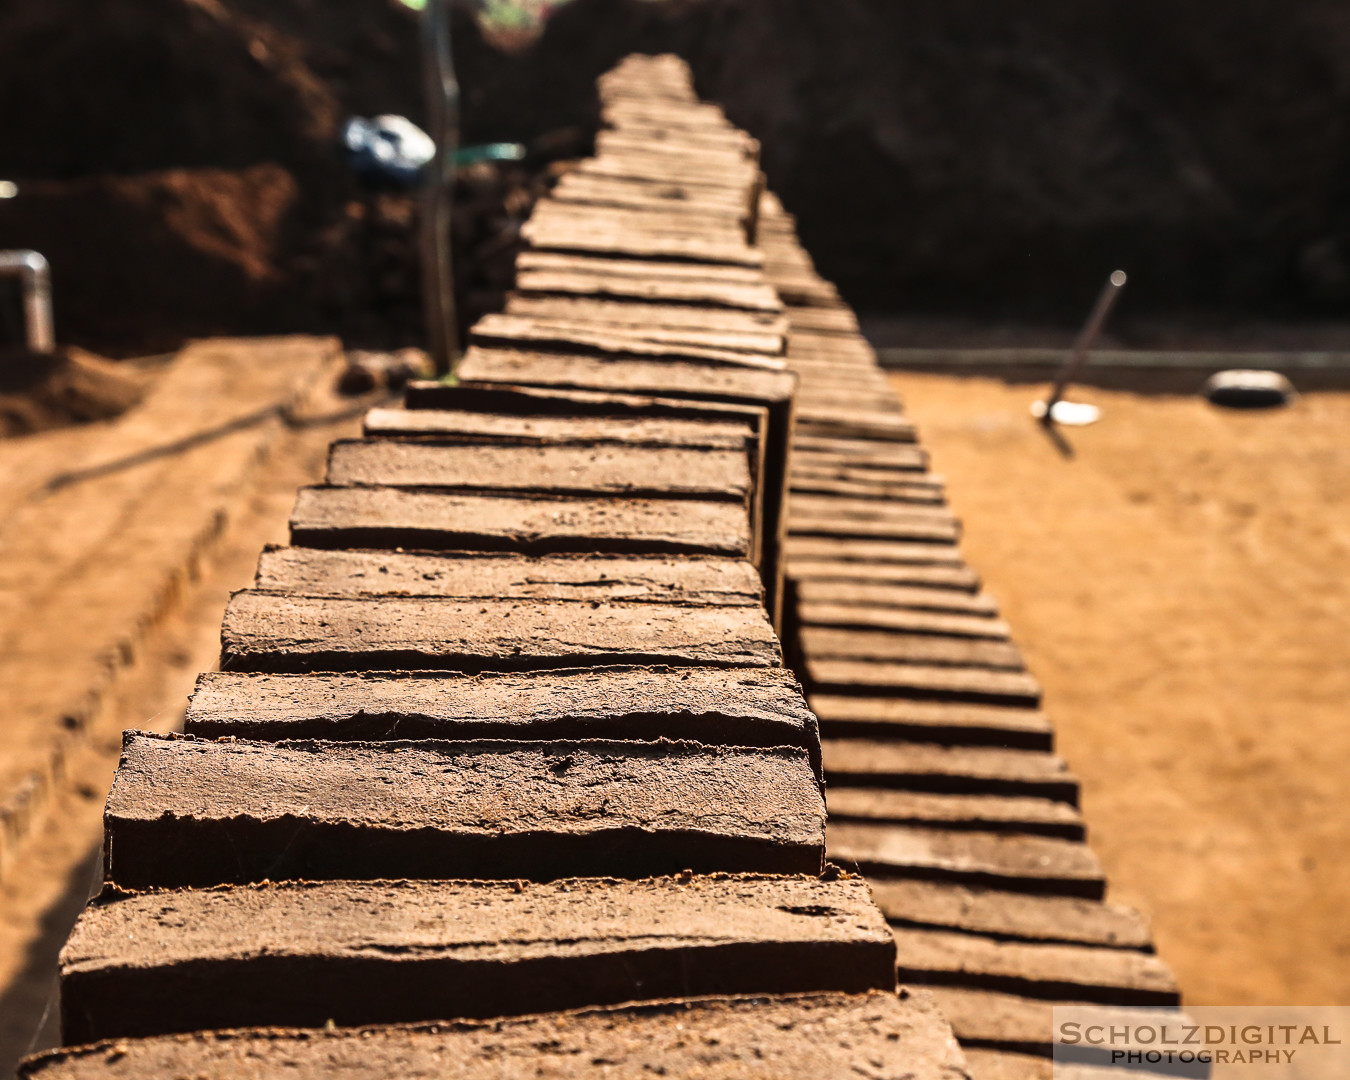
(1179, 588)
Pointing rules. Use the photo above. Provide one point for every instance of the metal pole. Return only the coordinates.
(36, 275)
(442, 92)
(1086, 339)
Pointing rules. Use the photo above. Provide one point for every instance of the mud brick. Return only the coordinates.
(984, 686)
(196, 812)
(750, 297)
(860, 453)
(737, 386)
(664, 343)
(329, 517)
(846, 549)
(824, 320)
(507, 402)
(994, 1020)
(317, 572)
(722, 383)
(985, 813)
(624, 193)
(302, 954)
(1054, 919)
(807, 481)
(645, 316)
(828, 573)
(849, 595)
(873, 480)
(845, 422)
(783, 1037)
(948, 723)
(1065, 972)
(921, 529)
(658, 133)
(825, 506)
(627, 471)
(717, 706)
(689, 146)
(903, 620)
(820, 643)
(966, 770)
(549, 215)
(280, 632)
(602, 266)
(662, 170)
(802, 290)
(444, 425)
(727, 206)
(984, 1064)
(821, 402)
(1029, 864)
(614, 239)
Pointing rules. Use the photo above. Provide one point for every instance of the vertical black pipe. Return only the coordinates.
(438, 291)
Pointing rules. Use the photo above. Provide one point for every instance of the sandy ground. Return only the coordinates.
(1180, 587)
(44, 891)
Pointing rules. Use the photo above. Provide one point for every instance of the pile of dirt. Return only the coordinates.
(178, 162)
(38, 393)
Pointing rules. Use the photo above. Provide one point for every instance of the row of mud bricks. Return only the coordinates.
(503, 773)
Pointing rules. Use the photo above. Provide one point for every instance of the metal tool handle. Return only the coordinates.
(1086, 339)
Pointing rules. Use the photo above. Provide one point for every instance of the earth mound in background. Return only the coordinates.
(177, 160)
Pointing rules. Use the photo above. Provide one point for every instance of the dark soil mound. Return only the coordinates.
(177, 159)
(38, 393)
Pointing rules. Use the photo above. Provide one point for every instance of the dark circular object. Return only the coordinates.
(1239, 388)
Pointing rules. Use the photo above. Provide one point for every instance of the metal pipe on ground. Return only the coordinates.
(35, 274)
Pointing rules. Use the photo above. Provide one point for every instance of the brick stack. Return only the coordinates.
(944, 787)
(502, 774)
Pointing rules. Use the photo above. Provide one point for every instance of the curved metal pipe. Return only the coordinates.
(36, 274)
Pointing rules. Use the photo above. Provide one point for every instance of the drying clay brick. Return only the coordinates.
(902, 620)
(944, 722)
(278, 632)
(1065, 920)
(683, 316)
(718, 706)
(328, 517)
(985, 686)
(986, 813)
(1066, 972)
(823, 597)
(783, 1038)
(642, 269)
(448, 424)
(662, 343)
(920, 528)
(689, 580)
(187, 811)
(837, 549)
(626, 471)
(301, 954)
(959, 770)
(1033, 864)
(820, 643)
(863, 575)
(655, 377)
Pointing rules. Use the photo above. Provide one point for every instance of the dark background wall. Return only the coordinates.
(177, 159)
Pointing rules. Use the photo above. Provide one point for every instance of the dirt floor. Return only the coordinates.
(42, 892)
(1180, 588)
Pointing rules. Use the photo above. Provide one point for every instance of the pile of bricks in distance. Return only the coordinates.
(503, 774)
